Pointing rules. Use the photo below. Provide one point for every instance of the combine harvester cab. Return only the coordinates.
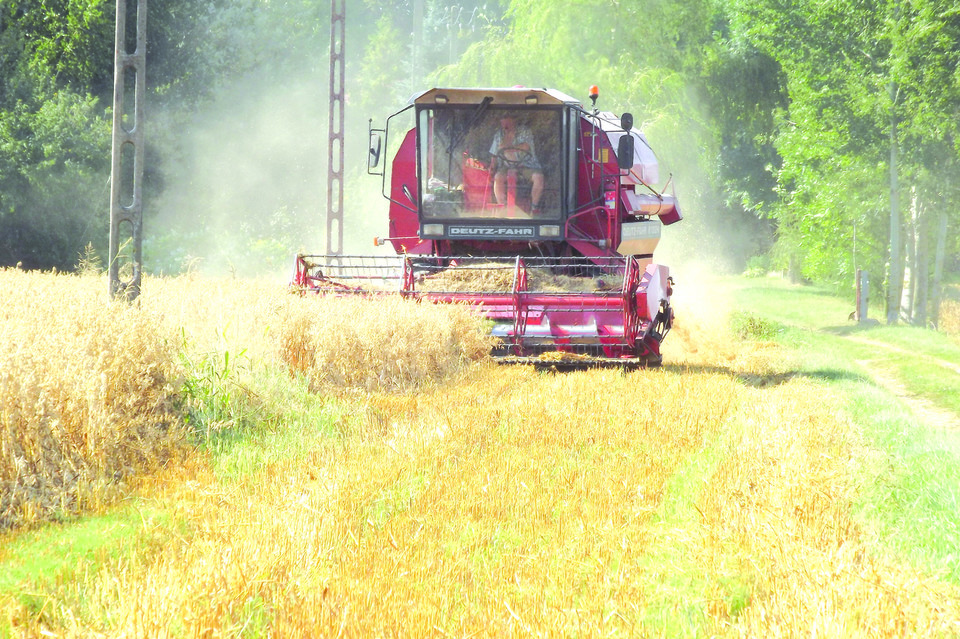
(536, 211)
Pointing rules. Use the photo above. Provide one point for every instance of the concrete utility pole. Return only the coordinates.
(338, 19)
(126, 174)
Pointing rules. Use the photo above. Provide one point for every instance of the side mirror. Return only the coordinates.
(625, 152)
(626, 122)
(373, 159)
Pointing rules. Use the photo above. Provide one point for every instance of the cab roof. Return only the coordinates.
(507, 96)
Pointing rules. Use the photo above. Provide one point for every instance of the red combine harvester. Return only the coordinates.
(527, 206)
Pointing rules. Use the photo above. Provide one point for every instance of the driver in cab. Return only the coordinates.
(513, 148)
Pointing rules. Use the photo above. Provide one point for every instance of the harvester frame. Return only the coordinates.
(573, 279)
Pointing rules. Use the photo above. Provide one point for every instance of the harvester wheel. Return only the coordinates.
(649, 350)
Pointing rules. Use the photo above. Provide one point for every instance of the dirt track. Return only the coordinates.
(925, 410)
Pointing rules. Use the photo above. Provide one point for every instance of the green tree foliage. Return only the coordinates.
(832, 122)
(924, 57)
(866, 82)
(68, 40)
(54, 138)
(384, 72)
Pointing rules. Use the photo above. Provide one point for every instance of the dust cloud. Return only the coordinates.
(244, 180)
(711, 237)
(706, 245)
(702, 306)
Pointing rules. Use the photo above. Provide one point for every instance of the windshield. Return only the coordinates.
(482, 162)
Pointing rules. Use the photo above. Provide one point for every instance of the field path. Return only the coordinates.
(925, 410)
(903, 351)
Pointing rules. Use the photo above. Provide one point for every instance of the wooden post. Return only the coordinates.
(857, 314)
(922, 262)
(938, 268)
(865, 297)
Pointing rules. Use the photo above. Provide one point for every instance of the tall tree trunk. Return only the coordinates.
(909, 234)
(793, 269)
(895, 275)
(938, 268)
(922, 264)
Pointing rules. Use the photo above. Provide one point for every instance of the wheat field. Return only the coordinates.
(449, 496)
(91, 389)
(950, 317)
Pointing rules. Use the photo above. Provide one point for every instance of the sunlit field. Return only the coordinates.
(96, 392)
(288, 466)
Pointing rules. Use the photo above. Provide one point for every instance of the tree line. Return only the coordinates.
(814, 138)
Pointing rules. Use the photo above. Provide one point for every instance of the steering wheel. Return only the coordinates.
(520, 156)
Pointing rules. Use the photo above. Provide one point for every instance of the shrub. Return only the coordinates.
(749, 326)
(86, 395)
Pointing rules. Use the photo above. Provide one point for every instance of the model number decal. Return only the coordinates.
(495, 231)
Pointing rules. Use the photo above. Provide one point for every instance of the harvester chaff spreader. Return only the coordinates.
(522, 203)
